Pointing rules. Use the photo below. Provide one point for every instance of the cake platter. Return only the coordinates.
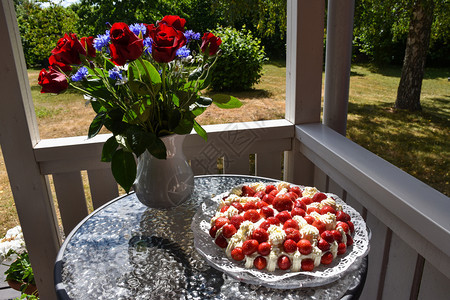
(321, 275)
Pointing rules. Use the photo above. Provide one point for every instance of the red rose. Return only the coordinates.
(210, 43)
(52, 81)
(68, 50)
(174, 21)
(125, 45)
(88, 44)
(166, 41)
(58, 65)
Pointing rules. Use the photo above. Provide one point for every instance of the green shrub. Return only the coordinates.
(241, 61)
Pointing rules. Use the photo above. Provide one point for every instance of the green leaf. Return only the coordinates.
(97, 106)
(158, 149)
(141, 110)
(200, 131)
(200, 106)
(138, 78)
(123, 167)
(113, 122)
(226, 101)
(185, 126)
(139, 140)
(96, 124)
(96, 89)
(109, 148)
(174, 118)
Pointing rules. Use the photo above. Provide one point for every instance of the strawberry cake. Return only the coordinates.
(281, 226)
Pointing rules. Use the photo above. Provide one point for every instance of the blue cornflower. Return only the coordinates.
(115, 74)
(191, 35)
(137, 28)
(148, 45)
(183, 52)
(102, 40)
(80, 74)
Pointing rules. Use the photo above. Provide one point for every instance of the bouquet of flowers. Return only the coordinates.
(143, 81)
(14, 255)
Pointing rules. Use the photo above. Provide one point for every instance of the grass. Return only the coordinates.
(417, 142)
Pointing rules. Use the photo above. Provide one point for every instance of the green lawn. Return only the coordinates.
(418, 143)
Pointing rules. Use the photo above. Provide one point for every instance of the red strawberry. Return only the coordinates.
(249, 247)
(238, 206)
(221, 241)
(270, 188)
(342, 248)
(300, 204)
(289, 246)
(319, 197)
(259, 194)
(260, 235)
(297, 190)
(351, 226)
(306, 200)
(336, 235)
(220, 221)
(290, 224)
(309, 219)
(250, 205)
(237, 220)
(237, 254)
(292, 234)
(323, 245)
(264, 248)
(349, 240)
(267, 212)
(297, 211)
(307, 264)
(342, 216)
(310, 209)
(343, 225)
(282, 202)
(284, 262)
(268, 198)
(261, 204)
(265, 225)
(273, 220)
(327, 209)
(274, 192)
(319, 225)
(224, 209)
(292, 195)
(327, 258)
(304, 246)
(327, 236)
(260, 263)
(283, 216)
(212, 231)
(247, 191)
(252, 215)
(228, 230)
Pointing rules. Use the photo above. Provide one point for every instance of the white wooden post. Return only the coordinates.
(18, 135)
(304, 63)
(338, 63)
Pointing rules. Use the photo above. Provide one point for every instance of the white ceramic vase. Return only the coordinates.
(164, 183)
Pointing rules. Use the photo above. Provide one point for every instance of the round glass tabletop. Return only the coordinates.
(124, 250)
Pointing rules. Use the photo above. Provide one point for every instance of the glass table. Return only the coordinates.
(124, 250)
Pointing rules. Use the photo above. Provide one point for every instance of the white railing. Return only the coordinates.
(408, 219)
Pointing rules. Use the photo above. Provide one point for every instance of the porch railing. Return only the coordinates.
(409, 220)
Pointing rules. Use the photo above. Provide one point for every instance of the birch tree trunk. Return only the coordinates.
(408, 93)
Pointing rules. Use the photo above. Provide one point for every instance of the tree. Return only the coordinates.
(408, 93)
(95, 15)
(40, 28)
